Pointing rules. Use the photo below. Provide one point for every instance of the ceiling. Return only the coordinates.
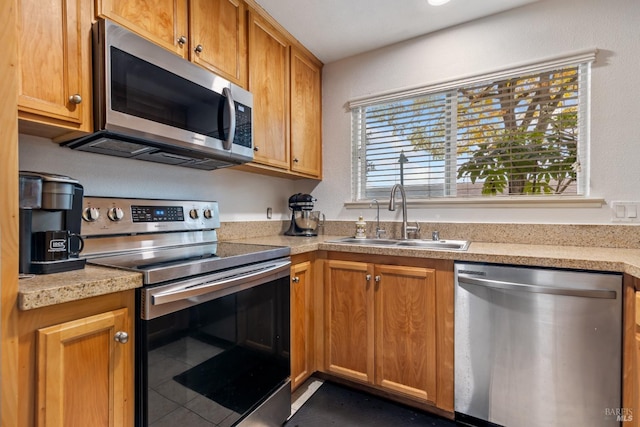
(336, 29)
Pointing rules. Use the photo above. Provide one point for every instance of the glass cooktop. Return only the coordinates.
(162, 264)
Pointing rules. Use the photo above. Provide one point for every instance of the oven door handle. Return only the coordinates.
(232, 281)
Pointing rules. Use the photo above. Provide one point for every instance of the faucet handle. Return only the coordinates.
(380, 232)
(415, 230)
(435, 235)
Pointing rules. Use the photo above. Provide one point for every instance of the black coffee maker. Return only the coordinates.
(304, 221)
(50, 219)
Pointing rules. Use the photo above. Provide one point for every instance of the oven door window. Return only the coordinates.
(215, 362)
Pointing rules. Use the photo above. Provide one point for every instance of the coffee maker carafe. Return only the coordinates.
(304, 220)
(50, 218)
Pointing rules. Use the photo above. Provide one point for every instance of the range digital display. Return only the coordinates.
(156, 213)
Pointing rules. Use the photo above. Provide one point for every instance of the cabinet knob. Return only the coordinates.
(256, 148)
(295, 279)
(182, 40)
(198, 48)
(295, 160)
(121, 337)
(75, 99)
(377, 279)
(368, 277)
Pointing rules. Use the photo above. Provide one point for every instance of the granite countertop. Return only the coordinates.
(44, 290)
(576, 257)
(35, 291)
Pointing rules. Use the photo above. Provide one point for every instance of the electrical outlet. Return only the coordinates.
(625, 211)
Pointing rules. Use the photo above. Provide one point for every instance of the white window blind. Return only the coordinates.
(522, 133)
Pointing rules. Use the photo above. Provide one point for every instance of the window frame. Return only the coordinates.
(582, 59)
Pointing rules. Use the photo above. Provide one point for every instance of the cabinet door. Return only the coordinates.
(218, 37)
(301, 323)
(81, 372)
(54, 63)
(405, 304)
(633, 421)
(306, 115)
(269, 83)
(349, 319)
(164, 22)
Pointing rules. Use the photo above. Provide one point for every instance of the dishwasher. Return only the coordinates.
(537, 347)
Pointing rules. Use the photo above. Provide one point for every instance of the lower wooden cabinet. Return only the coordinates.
(631, 416)
(76, 363)
(405, 330)
(302, 345)
(630, 409)
(349, 327)
(81, 374)
(390, 326)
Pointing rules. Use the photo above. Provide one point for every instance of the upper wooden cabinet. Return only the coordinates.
(306, 114)
(269, 83)
(211, 34)
(218, 37)
(287, 88)
(54, 67)
(231, 38)
(164, 22)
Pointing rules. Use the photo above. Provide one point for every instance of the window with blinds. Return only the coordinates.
(518, 133)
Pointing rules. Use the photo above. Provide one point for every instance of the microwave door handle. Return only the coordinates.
(232, 119)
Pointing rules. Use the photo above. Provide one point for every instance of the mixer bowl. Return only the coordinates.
(307, 220)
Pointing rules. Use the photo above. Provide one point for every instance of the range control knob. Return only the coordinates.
(193, 214)
(91, 214)
(115, 214)
(207, 213)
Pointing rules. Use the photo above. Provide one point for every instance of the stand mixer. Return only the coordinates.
(304, 220)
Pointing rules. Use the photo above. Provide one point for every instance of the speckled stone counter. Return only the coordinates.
(41, 291)
(49, 289)
(575, 257)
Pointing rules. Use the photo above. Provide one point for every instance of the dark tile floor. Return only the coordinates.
(335, 405)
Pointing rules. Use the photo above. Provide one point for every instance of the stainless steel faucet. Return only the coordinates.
(392, 207)
(379, 231)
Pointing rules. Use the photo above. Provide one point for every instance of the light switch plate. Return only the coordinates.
(625, 211)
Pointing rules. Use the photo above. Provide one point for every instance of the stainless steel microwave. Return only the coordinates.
(150, 104)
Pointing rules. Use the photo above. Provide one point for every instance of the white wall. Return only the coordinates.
(242, 196)
(543, 29)
(537, 31)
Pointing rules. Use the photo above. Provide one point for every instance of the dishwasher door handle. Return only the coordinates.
(536, 289)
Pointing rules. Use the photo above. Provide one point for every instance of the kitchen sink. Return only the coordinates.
(364, 241)
(447, 245)
(452, 245)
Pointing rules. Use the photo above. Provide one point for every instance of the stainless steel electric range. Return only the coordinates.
(212, 319)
